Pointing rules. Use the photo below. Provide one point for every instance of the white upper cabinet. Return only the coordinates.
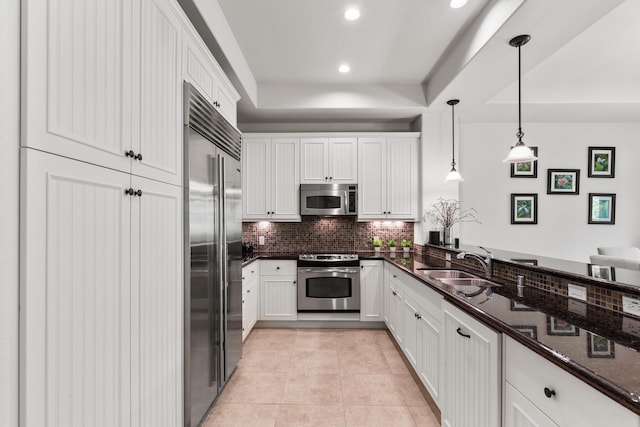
(388, 178)
(203, 72)
(328, 160)
(270, 179)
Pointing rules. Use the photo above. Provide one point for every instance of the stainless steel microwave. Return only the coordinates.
(328, 199)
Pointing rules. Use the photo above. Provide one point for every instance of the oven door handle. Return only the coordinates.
(323, 270)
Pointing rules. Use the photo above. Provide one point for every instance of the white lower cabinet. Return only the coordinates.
(395, 308)
(546, 390)
(278, 290)
(101, 296)
(472, 384)
(250, 297)
(371, 298)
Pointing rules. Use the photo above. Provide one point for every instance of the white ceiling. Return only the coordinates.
(409, 56)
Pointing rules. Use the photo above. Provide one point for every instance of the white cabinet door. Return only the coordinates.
(156, 306)
(256, 178)
(75, 293)
(278, 296)
(410, 330)
(402, 178)
(343, 160)
(285, 170)
(250, 303)
(372, 188)
(314, 157)
(395, 311)
(429, 366)
(371, 276)
(77, 68)
(472, 395)
(160, 122)
(520, 412)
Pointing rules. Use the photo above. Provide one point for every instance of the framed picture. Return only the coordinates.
(529, 261)
(516, 306)
(525, 169)
(529, 330)
(605, 272)
(563, 181)
(602, 162)
(524, 208)
(559, 327)
(602, 208)
(598, 347)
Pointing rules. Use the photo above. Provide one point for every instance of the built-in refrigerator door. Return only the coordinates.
(233, 238)
(203, 314)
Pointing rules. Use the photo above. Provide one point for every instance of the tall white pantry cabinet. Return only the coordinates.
(101, 205)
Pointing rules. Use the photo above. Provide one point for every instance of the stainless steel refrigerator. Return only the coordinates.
(213, 254)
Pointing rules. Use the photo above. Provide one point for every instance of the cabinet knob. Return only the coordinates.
(129, 191)
(549, 392)
(459, 331)
(249, 291)
(277, 268)
(243, 278)
(394, 293)
(294, 282)
(418, 316)
(138, 157)
(330, 178)
(326, 178)
(138, 193)
(129, 153)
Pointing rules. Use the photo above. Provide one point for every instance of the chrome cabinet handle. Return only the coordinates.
(459, 331)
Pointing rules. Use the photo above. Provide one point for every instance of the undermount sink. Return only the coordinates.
(476, 282)
(447, 274)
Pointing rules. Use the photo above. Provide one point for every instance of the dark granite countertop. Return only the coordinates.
(599, 346)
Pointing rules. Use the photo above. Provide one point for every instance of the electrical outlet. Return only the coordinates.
(261, 240)
(631, 326)
(447, 257)
(631, 305)
(577, 307)
(577, 292)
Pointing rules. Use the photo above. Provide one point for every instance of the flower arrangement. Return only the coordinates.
(447, 212)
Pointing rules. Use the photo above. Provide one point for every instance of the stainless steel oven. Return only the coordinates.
(328, 282)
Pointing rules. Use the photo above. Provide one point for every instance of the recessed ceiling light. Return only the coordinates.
(344, 68)
(352, 14)
(455, 4)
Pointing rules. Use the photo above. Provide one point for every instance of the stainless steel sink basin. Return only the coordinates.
(447, 274)
(475, 282)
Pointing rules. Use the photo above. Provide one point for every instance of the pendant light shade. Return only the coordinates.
(453, 175)
(520, 152)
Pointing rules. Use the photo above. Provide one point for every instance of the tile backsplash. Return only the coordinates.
(324, 234)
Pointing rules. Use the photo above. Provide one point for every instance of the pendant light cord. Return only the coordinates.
(453, 139)
(520, 134)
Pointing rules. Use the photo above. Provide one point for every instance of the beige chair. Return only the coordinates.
(622, 257)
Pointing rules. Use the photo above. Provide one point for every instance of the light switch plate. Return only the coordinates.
(261, 240)
(577, 292)
(631, 326)
(447, 257)
(631, 305)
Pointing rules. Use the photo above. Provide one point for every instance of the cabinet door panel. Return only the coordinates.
(256, 178)
(402, 178)
(314, 153)
(160, 139)
(371, 291)
(410, 331)
(429, 358)
(278, 295)
(286, 178)
(75, 63)
(520, 412)
(157, 304)
(343, 160)
(75, 293)
(372, 193)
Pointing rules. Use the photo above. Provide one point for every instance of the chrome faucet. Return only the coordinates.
(484, 261)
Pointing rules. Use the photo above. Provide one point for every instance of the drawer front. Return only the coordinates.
(250, 275)
(278, 267)
(573, 402)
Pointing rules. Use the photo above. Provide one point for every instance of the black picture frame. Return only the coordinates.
(525, 169)
(599, 347)
(559, 327)
(524, 208)
(563, 181)
(602, 208)
(602, 162)
(605, 272)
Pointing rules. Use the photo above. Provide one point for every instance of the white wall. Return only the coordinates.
(562, 230)
(9, 170)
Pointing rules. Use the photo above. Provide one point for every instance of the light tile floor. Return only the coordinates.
(321, 377)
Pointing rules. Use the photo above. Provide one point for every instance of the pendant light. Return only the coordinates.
(520, 152)
(453, 175)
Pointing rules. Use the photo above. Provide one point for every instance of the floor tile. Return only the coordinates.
(424, 417)
(312, 389)
(310, 416)
(357, 362)
(370, 390)
(396, 364)
(315, 361)
(254, 387)
(265, 361)
(245, 415)
(378, 416)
